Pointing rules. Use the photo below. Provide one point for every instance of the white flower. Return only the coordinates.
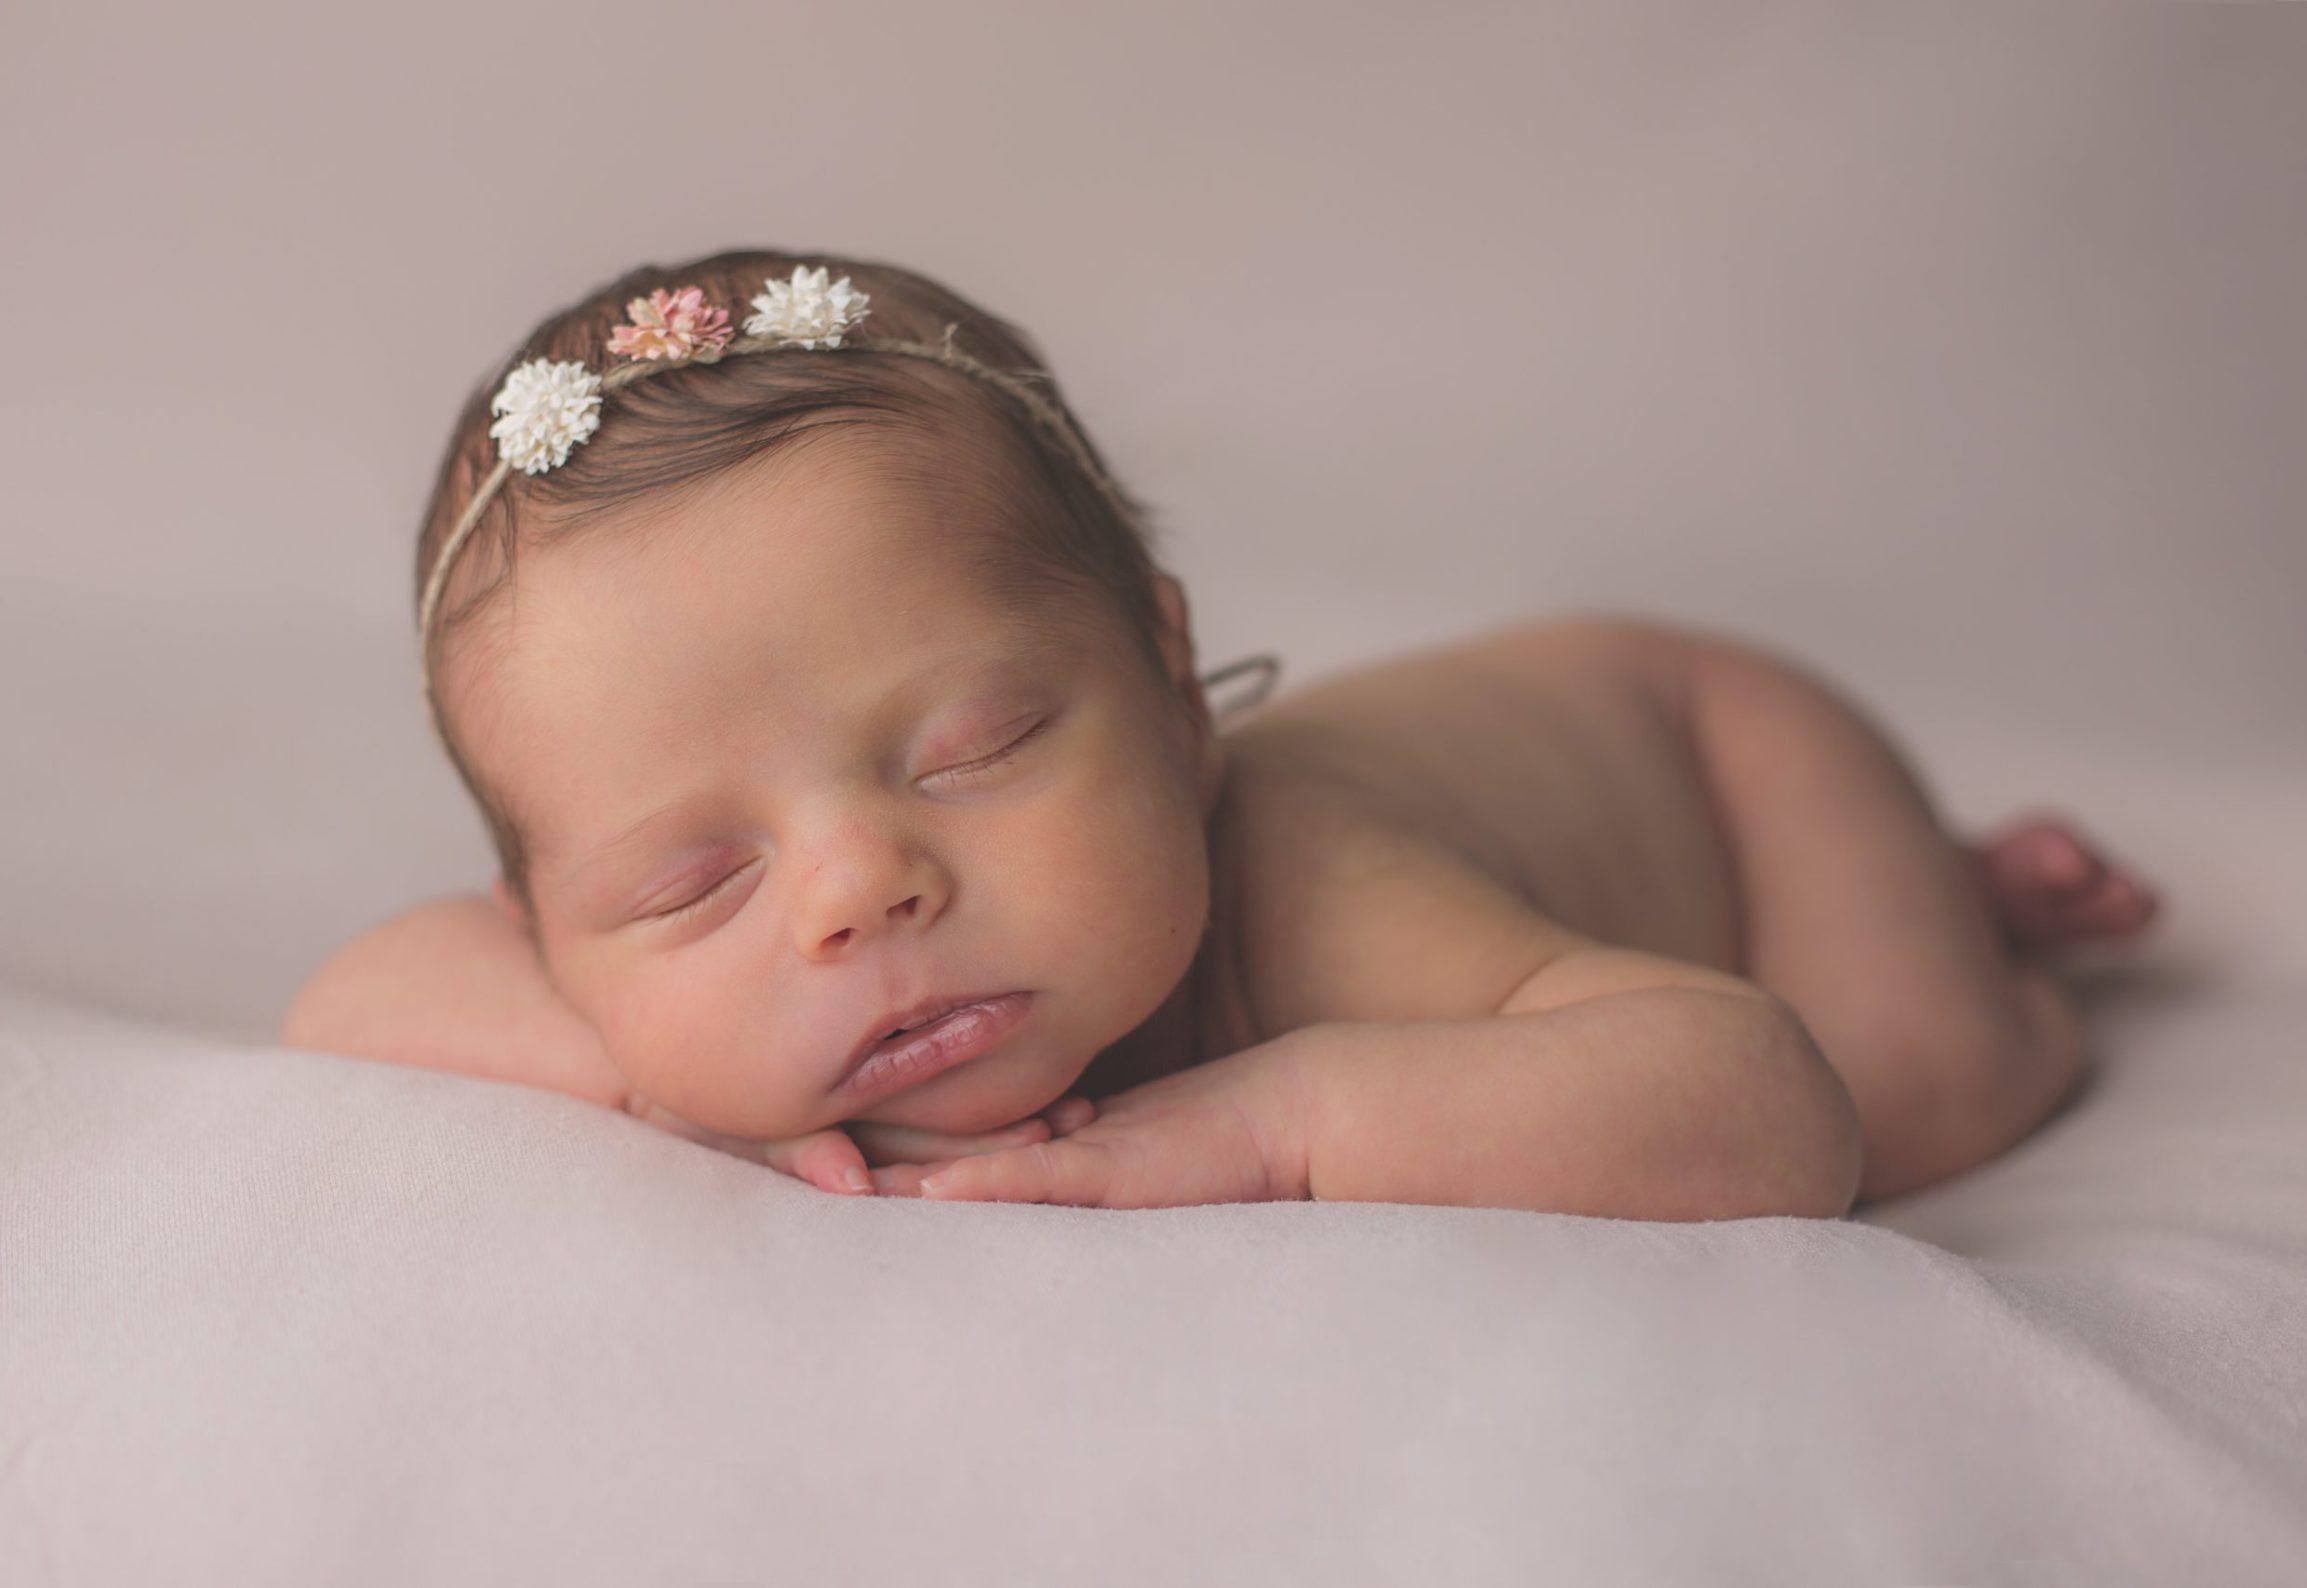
(805, 311)
(548, 408)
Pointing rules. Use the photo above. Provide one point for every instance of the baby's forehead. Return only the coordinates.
(941, 632)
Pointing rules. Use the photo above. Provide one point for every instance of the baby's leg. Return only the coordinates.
(1866, 916)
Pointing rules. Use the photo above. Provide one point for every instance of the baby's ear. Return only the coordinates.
(1177, 643)
(1170, 597)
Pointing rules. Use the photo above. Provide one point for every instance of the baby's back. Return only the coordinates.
(1405, 826)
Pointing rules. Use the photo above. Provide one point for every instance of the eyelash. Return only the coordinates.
(702, 899)
(966, 771)
(971, 769)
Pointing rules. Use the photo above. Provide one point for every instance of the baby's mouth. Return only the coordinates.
(915, 1052)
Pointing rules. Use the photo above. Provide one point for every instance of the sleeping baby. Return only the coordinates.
(859, 805)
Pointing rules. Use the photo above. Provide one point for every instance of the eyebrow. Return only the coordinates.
(629, 837)
(986, 668)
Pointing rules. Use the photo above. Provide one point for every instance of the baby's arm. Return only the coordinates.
(454, 984)
(1661, 1102)
(1459, 1046)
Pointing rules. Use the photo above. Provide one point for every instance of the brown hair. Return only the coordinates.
(1073, 549)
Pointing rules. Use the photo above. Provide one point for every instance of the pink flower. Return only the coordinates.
(671, 325)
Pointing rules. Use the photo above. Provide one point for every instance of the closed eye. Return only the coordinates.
(702, 899)
(978, 768)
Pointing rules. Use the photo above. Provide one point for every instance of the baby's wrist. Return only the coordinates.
(1289, 1112)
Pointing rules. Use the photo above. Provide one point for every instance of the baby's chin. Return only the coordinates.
(965, 1101)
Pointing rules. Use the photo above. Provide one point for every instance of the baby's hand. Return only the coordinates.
(901, 1154)
(1231, 1130)
(828, 1158)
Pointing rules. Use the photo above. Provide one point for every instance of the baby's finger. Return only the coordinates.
(887, 1144)
(827, 1159)
(1069, 1115)
(1074, 1173)
(904, 1179)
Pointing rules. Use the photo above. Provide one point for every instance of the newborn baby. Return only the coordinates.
(858, 804)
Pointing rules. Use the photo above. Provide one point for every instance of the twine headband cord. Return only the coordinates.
(550, 407)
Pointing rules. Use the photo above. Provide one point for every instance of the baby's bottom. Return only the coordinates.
(1865, 915)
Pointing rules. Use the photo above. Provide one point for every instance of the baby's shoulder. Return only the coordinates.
(1341, 901)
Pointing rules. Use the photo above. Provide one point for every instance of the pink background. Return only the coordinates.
(1958, 349)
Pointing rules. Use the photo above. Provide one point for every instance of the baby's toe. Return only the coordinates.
(2123, 904)
(2044, 860)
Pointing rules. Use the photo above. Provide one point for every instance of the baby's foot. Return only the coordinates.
(2051, 888)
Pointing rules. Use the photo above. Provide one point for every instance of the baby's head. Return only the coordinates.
(816, 682)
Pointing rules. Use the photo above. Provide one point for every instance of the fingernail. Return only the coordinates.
(856, 1179)
(930, 1183)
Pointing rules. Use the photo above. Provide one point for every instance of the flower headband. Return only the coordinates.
(547, 408)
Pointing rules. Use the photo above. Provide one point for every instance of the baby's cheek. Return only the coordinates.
(660, 1040)
(692, 1043)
